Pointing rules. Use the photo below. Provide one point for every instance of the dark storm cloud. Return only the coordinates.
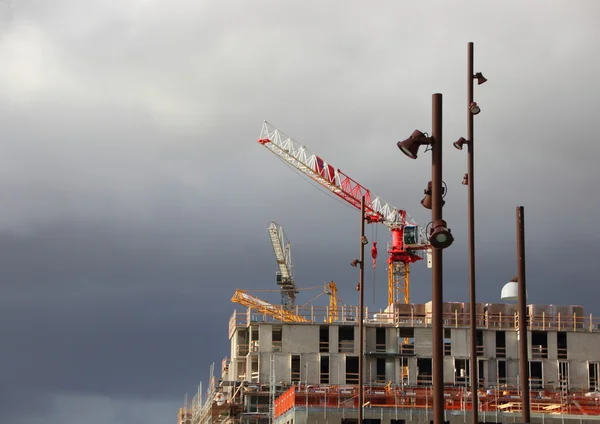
(136, 199)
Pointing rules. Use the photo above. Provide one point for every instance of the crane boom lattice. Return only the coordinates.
(283, 255)
(243, 298)
(408, 238)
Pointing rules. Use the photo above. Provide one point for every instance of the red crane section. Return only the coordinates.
(407, 237)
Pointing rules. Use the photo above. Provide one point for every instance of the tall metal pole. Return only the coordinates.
(523, 351)
(471, 213)
(437, 272)
(361, 307)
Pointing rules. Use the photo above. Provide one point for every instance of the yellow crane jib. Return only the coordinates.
(244, 299)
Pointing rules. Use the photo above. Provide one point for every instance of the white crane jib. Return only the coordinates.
(283, 255)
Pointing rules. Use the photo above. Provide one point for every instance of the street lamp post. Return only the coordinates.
(440, 237)
(469, 180)
(437, 271)
(523, 351)
(361, 306)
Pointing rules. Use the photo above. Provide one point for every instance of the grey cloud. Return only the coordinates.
(136, 199)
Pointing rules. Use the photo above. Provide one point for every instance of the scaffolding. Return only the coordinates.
(505, 399)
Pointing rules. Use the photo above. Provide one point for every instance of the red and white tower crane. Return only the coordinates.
(408, 238)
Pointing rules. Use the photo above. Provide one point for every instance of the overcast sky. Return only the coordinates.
(135, 198)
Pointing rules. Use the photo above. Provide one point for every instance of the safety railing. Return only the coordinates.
(456, 398)
(348, 315)
(242, 349)
(539, 352)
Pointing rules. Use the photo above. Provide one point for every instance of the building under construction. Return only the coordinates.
(293, 364)
(296, 372)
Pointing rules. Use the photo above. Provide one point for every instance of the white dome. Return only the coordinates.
(510, 291)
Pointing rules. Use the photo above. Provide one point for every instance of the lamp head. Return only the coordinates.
(474, 108)
(480, 78)
(410, 146)
(440, 237)
(427, 200)
(465, 180)
(460, 142)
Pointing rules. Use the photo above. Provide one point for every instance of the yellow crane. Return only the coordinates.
(277, 312)
(262, 306)
(334, 301)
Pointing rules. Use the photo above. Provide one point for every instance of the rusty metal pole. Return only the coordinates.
(437, 272)
(361, 306)
(471, 218)
(523, 350)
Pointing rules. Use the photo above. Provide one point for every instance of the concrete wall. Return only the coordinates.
(552, 345)
(489, 343)
(392, 343)
(460, 344)
(448, 370)
(337, 368)
(423, 345)
(583, 346)
(550, 370)
(369, 339)
(334, 338)
(300, 338)
(512, 345)
(579, 375)
(265, 338)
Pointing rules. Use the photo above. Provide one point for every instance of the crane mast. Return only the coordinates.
(408, 238)
(283, 254)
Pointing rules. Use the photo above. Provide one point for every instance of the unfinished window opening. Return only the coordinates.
(295, 368)
(380, 339)
(254, 338)
(324, 338)
(536, 376)
(501, 372)
(243, 343)
(539, 344)
(500, 344)
(404, 370)
(479, 342)
(276, 340)
(480, 372)
(563, 373)
(254, 369)
(397, 421)
(324, 370)
(380, 370)
(461, 371)
(346, 339)
(406, 337)
(351, 369)
(447, 342)
(561, 345)
(424, 370)
(593, 375)
(241, 370)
